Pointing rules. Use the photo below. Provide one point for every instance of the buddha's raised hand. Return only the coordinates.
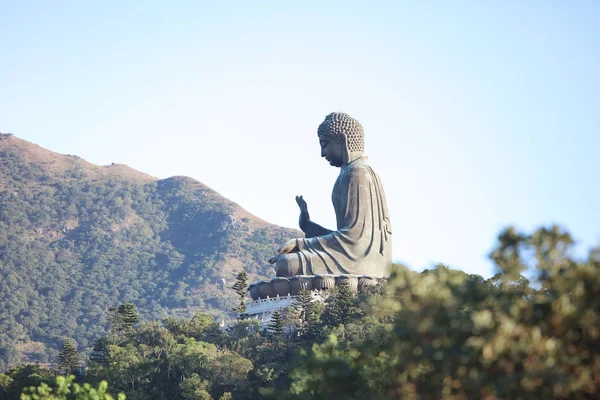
(304, 216)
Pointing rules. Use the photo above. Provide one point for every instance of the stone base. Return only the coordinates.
(280, 293)
(285, 287)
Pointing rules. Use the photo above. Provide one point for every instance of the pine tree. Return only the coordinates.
(128, 316)
(99, 352)
(308, 319)
(277, 324)
(240, 287)
(342, 305)
(68, 358)
(122, 319)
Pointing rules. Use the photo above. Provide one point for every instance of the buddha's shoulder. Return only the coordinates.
(359, 170)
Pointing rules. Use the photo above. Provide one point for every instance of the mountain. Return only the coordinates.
(77, 238)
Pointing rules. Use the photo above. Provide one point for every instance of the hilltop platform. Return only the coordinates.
(280, 293)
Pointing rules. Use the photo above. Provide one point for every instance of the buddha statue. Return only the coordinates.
(361, 243)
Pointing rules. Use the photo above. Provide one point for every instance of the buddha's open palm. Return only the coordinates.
(290, 246)
(304, 216)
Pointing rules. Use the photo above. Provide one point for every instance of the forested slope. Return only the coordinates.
(77, 238)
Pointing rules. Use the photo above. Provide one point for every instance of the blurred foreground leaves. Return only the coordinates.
(458, 336)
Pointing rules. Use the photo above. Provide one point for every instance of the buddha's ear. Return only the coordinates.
(344, 143)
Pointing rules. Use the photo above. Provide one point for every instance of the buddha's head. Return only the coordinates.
(341, 138)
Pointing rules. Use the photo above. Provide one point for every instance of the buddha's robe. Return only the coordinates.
(362, 243)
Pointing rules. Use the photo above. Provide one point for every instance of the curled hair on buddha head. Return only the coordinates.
(337, 123)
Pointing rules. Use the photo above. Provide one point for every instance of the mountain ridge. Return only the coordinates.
(55, 162)
(76, 238)
(37, 154)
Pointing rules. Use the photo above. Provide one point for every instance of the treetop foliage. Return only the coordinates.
(437, 334)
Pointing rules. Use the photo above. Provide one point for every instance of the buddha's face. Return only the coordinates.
(331, 150)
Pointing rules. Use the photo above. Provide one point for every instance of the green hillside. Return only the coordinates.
(77, 238)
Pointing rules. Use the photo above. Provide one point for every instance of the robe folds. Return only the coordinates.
(362, 243)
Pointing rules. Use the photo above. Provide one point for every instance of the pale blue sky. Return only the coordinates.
(477, 114)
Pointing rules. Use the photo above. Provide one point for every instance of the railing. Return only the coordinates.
(274, 303)
(268, 304)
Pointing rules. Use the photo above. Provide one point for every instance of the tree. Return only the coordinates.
(122, 319)
(100, 352)
(276, 326)
(200, 327)
(128, 316)
(27, 375)
(195, 388)
(5, 384)
(342, 305)
(68, 358)
(240, 287)
(308, 321)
